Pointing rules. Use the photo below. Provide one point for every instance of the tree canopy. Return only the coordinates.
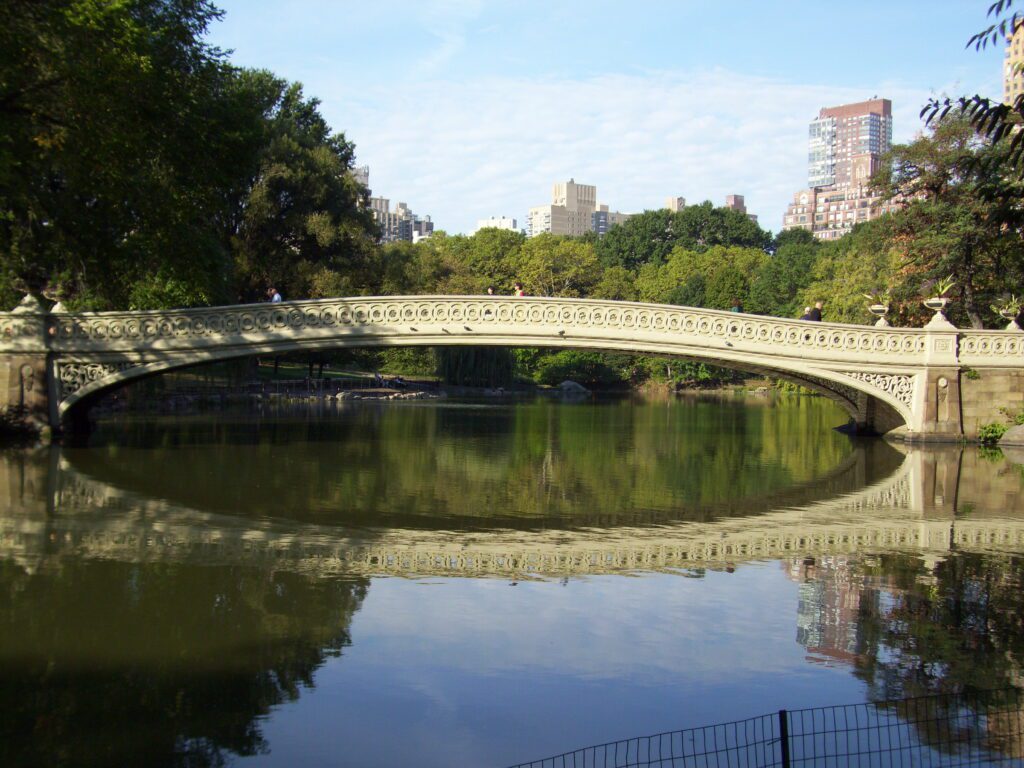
(139, 169)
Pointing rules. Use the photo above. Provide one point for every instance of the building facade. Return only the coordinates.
(399, 224)
(573, 211)
(845, 148)
(737, 203)
(497, 222)
(1013, 65)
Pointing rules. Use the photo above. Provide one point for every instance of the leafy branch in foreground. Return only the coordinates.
(993, 119)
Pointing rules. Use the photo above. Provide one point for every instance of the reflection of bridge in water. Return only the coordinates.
(935, 502)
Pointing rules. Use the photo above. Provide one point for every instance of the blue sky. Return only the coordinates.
(466, 109)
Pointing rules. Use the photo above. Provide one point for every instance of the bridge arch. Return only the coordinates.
(91, 380)
(883, 377)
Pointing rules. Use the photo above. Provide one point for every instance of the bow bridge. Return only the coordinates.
(935, 382)
(49, 509)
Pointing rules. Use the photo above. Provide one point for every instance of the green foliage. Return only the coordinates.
(845, 269)
(970, 373)
(651, 236)
(138, 169)
(476, 366)
(551, 265)
(303, 212)
(616, 283)
(164, 290)
(587, 368)
(1015, 416)
(778, 285)
(115, 147)
(961, 227)
(990, 434)
(707, 278)
(415, 361)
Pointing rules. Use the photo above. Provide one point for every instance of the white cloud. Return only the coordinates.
(462, 151)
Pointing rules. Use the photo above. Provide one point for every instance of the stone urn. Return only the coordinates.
(1011, 316)
(880, 311)
(938, 304)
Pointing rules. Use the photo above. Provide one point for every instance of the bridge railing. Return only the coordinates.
(982, 729)
(462, 316)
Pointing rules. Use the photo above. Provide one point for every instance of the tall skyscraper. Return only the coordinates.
(845, 147)
(1013, 64)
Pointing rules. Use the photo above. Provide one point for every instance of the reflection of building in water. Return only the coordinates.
(832, 596)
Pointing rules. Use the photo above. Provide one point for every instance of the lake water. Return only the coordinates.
(448, 584)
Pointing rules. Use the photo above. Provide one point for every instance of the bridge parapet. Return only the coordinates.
(188, 328)
(884, 377)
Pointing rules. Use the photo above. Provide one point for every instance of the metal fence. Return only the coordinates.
(980, 729)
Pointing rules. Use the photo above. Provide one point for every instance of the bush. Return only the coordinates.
(989, 434)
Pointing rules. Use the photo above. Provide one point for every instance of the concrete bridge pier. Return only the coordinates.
(25, 380)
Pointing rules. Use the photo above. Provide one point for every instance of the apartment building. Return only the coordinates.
(399, 224)
(845, 147)
(573, 211)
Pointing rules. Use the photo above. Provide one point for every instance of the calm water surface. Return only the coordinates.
(441, 584)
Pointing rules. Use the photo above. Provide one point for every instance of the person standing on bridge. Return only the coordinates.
(815, 314)
(275, 297)
(517, 289)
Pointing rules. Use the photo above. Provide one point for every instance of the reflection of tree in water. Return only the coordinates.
(954, 628)
(910, 630)
(115, 664)
(490, 467)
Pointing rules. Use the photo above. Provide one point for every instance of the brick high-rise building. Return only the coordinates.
(845, 148)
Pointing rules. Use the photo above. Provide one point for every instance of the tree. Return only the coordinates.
(305, 209)
(551, 265)
(699, 227)
(861, 262)
(616, 283)
(777, 285)
(649, 237)
(958, 219)
(112, 163)
(646, 238)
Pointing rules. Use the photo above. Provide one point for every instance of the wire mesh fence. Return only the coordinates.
(980, 729)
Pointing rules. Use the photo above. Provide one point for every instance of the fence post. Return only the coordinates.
(784, 736)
